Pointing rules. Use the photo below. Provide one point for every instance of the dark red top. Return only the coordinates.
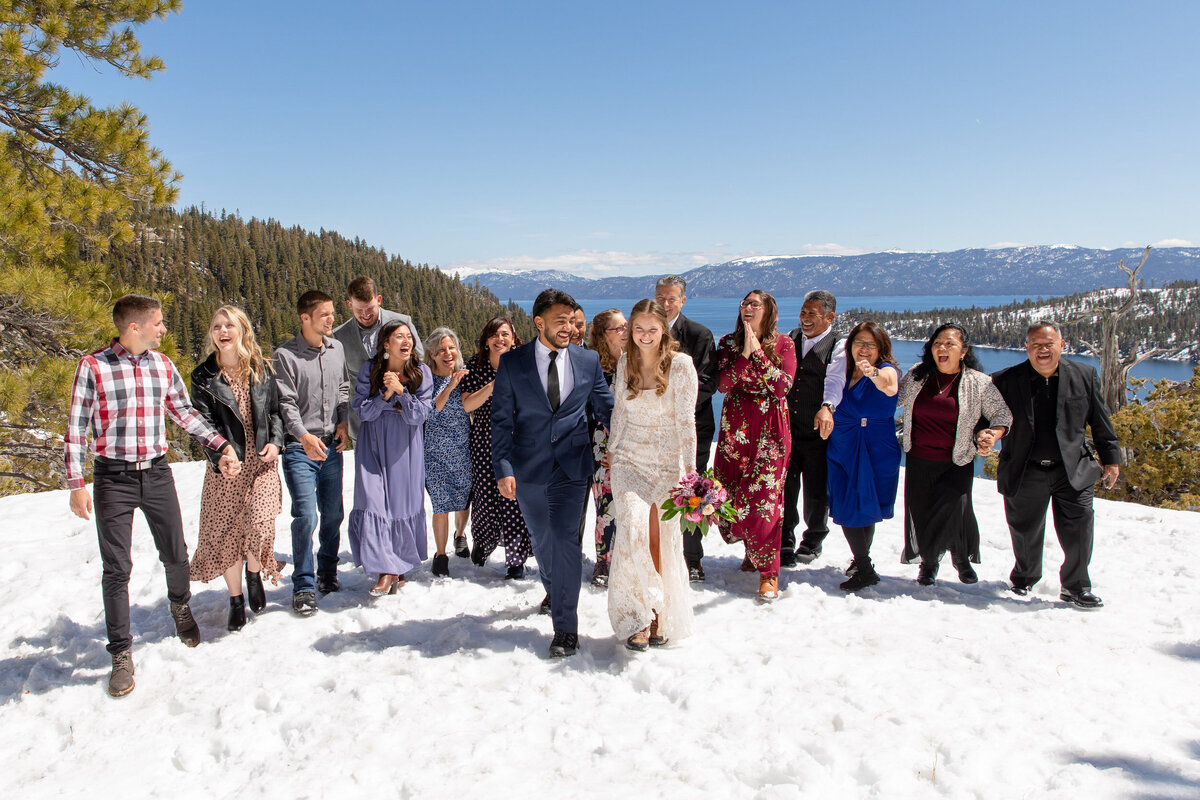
(935, 419)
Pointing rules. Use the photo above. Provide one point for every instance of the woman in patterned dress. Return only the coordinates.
(234, 390)
(495, 520)
(608, 337)
(447, 459)
(756, 367)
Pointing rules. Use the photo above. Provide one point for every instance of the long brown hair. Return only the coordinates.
(410, 372)
(770, 335)
(599, 342)
(489, 330)
(633, 353)
(878, 334)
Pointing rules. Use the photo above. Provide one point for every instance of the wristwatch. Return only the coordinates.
(832, 408)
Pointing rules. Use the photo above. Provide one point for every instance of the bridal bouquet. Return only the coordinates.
(702, 502)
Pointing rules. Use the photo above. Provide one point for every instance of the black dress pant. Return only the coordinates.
(693, 549)
(807, 465)
(116, 495)
(1073, 522)
(859, 539)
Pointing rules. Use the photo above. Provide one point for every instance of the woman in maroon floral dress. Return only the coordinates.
(756, 366)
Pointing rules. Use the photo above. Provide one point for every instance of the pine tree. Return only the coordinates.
(71, 176)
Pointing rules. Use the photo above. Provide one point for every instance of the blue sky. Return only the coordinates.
(637, 137)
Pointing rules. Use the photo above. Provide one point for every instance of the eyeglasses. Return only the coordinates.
(751, 304)
(617, 329)
(866, 345)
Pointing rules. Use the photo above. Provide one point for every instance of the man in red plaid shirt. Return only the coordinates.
(121, 393)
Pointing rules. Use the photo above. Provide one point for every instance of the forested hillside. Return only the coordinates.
(203, 260)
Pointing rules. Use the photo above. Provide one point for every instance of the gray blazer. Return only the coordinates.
(977, 398)
(348, 333)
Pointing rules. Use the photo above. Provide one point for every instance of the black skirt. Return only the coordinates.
(938, 514)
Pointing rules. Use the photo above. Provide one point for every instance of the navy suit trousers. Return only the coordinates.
(552, 512)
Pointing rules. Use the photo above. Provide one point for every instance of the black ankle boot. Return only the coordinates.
(927, 574)
(255, 591)
(237, 613)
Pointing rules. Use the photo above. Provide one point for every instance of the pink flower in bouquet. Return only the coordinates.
(694, 515)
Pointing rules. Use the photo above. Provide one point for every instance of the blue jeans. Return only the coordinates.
(314, 486)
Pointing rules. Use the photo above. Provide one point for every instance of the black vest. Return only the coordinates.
(808, 388)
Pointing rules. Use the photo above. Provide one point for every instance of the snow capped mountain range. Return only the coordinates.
(1031, 270)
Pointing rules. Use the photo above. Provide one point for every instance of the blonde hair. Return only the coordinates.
(250, 355)
(633, 353)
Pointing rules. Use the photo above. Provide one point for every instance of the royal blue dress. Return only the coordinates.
(387, 525)
(447, 456)
(864, 456)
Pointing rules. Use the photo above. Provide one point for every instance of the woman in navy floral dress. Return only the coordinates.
(447, 459)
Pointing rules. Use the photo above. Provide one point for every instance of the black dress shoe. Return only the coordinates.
(966, 573)
(787, 558)
(927, 573)
(1084, 599)
(563, 644)
(327, 582)
(695, 573)
(544, 608)
(515, 573)
(808, 553)
(460, 547)
(304, 603)
(864, 576)
(478, 557)
(441, 566)
(237, 613)
(1021, 589)
(254, 591)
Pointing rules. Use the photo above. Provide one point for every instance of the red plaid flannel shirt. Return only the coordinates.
(122, 397)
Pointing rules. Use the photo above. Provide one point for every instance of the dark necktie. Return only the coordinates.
(552, 382)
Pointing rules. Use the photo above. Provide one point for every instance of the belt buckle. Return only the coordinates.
(1044, 463)
(141, 465)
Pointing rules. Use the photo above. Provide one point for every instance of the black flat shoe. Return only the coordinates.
(1085, 600)
(441, 566)
(966, 573)
(927, 573)
(237, 613)
(255, 593)
(1021, 589)
(544, 608)
(787, 558)
(478, 557)
(514, 574)
(460, 547)
(563, 645)
(864, 576)
(808, 553)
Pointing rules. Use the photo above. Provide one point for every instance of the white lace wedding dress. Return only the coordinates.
(652, 445)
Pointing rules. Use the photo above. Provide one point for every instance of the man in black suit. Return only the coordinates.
(815, 393)
(697, 341)
(1045, 460)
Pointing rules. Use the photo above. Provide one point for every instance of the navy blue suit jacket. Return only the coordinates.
(528, 439)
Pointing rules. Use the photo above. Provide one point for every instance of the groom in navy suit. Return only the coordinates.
(542, 453)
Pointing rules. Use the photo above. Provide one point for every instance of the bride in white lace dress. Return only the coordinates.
(652, 445)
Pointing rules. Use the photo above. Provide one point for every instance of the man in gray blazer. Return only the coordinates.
(359, 335)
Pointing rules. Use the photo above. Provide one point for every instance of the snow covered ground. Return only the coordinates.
(445, 689)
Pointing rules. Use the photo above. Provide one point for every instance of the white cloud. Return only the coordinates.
(1174, 243)
(1006, 245)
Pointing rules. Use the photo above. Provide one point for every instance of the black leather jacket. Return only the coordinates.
(213, 398)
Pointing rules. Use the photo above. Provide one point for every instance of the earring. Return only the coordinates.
(386, 355)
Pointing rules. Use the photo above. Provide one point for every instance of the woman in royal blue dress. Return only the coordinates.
(447, 457)
(392, 398)
(864, 455)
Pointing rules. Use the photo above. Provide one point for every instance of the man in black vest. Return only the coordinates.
(1046, 461)
(816, 391)
(697, 341)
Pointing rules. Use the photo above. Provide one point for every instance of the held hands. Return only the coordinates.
(81, 503)
(507, 487)
(823, 422)
(1112, 473)
(985, 440)
(229, 464)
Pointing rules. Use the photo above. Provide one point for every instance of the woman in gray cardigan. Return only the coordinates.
(951, 412)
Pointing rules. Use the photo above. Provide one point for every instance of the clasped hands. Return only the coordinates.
(391, 385)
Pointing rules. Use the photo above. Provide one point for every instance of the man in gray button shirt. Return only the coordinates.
(359, 335)
(314, 401)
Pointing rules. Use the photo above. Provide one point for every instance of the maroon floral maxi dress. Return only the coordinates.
(754, 443)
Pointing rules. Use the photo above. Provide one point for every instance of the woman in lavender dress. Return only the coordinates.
(393, 398)
(447, 457)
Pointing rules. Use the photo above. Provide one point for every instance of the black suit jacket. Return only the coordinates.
(1079, 404)
(697, 341)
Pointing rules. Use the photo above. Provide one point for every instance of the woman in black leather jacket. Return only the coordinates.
(234, 389)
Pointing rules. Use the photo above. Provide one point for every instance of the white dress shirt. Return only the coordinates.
(566, 377)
